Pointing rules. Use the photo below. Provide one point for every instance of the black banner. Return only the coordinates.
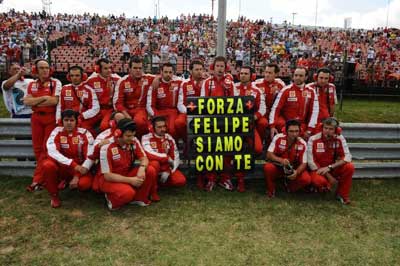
(221, 132)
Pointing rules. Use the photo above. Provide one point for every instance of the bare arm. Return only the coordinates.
(11, 81)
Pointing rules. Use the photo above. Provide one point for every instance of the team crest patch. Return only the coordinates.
(304, 94)
(160, 90)
(96, 84)
(189, 87)
(63, 139)
(292, 94)
(228, 81)
(68, 93)
(165, 145)
(153, 145)
(75, 140)
(114, 151)
(127, 85)
(34, 86)
(320, 145)
(283, 142)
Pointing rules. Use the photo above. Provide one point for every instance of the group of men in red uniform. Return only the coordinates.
(141, 116)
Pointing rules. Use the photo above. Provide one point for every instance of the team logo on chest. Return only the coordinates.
(153, 145)
(292, 94)
(165, 145)
(189, 90)
(282, 145)
(160, 93)
(320, 147)
(68, 93)
(96, 84)
(115, 153)
(75, 140)
(63, 139)
(127, 85)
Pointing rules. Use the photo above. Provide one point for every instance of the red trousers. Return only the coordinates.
(105, 115)
(122, 193)
(272, 172)
(344, 176)
(171, 115)
(175, 179)
(90, 124)
(139, 115)
(261, 128)
(181, 126)
(41, 125)
(54, 173)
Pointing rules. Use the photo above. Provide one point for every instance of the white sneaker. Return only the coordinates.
(109, 203)
(139, 203)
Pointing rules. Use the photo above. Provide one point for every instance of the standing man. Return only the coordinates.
(326, 93)
(163, 154)
(67, 163)
(287, 159)
(103, 81)
(295, 102)
(14, 91)
(130, 96)
(219, 84)
(245, 88)
(121, 181)
(188, 88)
(42, 96)
(79, 97)
(270, 86)
(329, 159)
(163, 100)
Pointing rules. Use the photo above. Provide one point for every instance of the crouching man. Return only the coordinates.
(121, 181)
(288, 160)
(329, 159)
(66, 162)
(161, 149)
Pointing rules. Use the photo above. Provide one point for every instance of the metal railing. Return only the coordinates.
(372, 160)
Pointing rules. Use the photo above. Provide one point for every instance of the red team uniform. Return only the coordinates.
(296, 154)
(131, 96)
(294, 102)
(81, 99)
(42, 120)
(118, 159)
(105, 89)
(163, 102)
(322, 153)
(65, 151)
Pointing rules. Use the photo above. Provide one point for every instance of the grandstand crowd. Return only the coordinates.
(85, 38)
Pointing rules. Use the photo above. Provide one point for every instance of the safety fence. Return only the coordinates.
(375, 149)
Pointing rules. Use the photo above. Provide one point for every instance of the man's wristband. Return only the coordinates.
(330, 167)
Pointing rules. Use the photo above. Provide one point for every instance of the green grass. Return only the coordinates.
(189, 227)
(361, 111)
(369, 111)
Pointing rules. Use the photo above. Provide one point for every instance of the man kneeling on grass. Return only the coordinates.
(121, 181)
(66, 162)
(288, 160)
(329, 159)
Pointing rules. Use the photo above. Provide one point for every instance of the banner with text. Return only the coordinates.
(221, 129)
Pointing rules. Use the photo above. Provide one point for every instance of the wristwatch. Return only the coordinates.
(330, 167)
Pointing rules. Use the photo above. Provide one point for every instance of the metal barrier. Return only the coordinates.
(377, 154)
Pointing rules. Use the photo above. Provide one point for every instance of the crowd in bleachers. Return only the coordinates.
(90, 37)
